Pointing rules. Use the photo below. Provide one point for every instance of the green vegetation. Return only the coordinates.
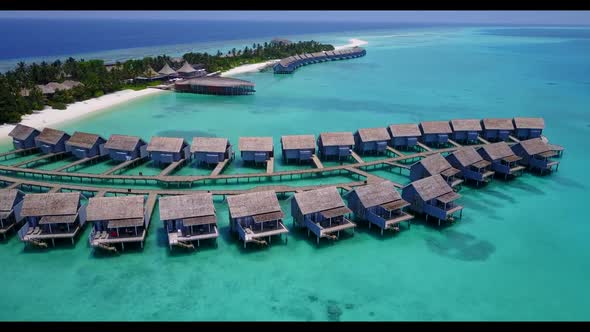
(97, 80)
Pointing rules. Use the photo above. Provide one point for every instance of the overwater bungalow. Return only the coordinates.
(52, 141)
(167, 72)
(335, 144)
(497, 129)
(188, 219)
(124, 148)
(298, 147)
(466, 130)
(256, 149)
(166, 150)
(117, 220)
(256, 216)
(433, 197)
(404, 136)
(23, 137)
(371, 140)
(379, 204)
(85, 145)
(526, 128)
(322, 212)
(226, 86)
(187, 71)
(435, 132)
(471, 164)
(503, 159)
(51, 216)
(11, 202)
(433, 165)
(211, 150)
(536, 155)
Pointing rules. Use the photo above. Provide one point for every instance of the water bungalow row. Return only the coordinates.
(289, 64)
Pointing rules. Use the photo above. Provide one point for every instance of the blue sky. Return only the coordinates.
(514, 17)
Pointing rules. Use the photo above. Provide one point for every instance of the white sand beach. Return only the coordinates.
(51, 117)
(352, 43)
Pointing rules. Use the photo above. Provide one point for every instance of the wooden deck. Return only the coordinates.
(479, 138)
(454, 143)
(77, 162)
(270, 165)
(172, 167)
(316, 161)
(46, 156)
(150, 204)
(122, 165)
(424, 147)
(394, 151)
(219, 168)
(356, 157)
(101, 239)
(174, 239)
(513, 139)
(393, 163)
(5, 155)
(36, 237)
(15, 185)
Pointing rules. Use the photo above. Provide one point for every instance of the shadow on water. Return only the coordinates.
(460, 246)
(500, 195)
(527, 187)
(375, 232)
(300, 234)
(566, 182)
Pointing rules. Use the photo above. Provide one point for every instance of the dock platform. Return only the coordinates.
(356, 157)
(170, 168)
(15, 153)
(77, 162)
(122, 165)
(270, 165)
(34, 160)
(219, 168)
(397, 153)
(316, 161)
(424, 147)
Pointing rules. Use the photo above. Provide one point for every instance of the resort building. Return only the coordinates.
(503, 159)
(167, 72)
(211, 150)
(379, 204)
(52, 141)
(435, 132)
(433, 165)
(471, 164)
(11, 202)
(404, 136)
(337, 144)
(215, 86)
(256, 216)
(166, 150)
(187, 71)
(289, 64)
(85, 145)
(188, 219)
(23, 137)
(466, 130)
(51, 216)
(536, 155)
(125, 148)
(526, 128)
(322, 212)
(371, 140)
(149, 76)
(433, 197)
(117, 220)
(256, 149)
(497, 129)
(298, 147)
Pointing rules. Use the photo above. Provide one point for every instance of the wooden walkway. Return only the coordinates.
(370, 177)
(424, 147)
(220, 166)
(356, 157)
(316, 161)
(514, 139)
(394, 151)
(46, 156)
(77, 162)
(15, 185)
(455, 143)
(479, 138)
(122, 165)
(5, 155)
(150, 204)
(270, 165)
(172, 167)
(55, 189)
(393, 163)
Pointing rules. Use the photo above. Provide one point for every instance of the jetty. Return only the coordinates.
(290, 64)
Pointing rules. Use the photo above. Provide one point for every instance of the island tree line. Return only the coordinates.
(97, 80)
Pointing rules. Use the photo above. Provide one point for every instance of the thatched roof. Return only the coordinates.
(435, 127)
(376, 194)
(431, 187)
(7, 198)
(186, 68)
(498, 150)
(115, 208)
(534, 146)
(405, 130)
(83, 140)
(337, 138)
(186, 206)
(467, 156)
(123, 142)
(22, 132)
(50, 204)
(529, 123)
(255, 203)
(50, 136)
(166, 70)
(255, 144)
(373, 134)
(435, 164)
(150, 72)
(466, 125)
(166, 144)
(497, 124)
(294, 142)
(318, 200)
(209, 144)
(216, 81)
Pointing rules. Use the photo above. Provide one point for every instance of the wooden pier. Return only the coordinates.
(479, 138)
(356, 157)
(454, 143)
(172, 167)
(123, 165)
(397, 153)
(78, 162)
(513, 139)
(270, 164)
(46, 156)
(219, 168)
(424, 147)
(16, 153)
(316, 161)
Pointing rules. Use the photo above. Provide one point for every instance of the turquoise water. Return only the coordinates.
(519, 253)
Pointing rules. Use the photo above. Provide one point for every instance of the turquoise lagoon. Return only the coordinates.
(519, 253)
